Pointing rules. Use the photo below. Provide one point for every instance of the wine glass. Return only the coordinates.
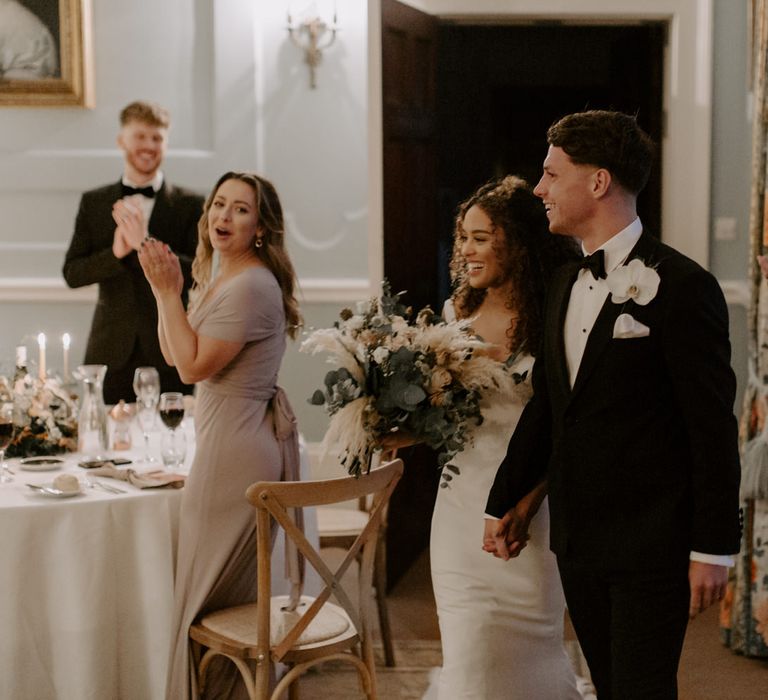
(6, 434)
(173, 445)
(146, 386)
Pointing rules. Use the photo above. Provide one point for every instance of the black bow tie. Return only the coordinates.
(595, 263)
(147, 191)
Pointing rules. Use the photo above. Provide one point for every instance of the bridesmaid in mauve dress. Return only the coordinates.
(231, 344)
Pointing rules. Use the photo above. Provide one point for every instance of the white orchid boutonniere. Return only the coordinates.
(634, 281)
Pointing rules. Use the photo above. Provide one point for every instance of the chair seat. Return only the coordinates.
(340, 522)
(239, 623)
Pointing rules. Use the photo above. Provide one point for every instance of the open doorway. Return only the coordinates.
(500, 86)
(463, 101)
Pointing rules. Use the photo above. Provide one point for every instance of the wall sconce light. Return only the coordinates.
(312, 36)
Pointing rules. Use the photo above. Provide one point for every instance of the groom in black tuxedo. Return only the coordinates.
(111, 224)
(631, 422)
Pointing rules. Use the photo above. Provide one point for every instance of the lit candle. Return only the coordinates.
(41, 361)
(65, 341)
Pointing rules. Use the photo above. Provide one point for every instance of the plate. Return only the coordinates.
(40, 464)
(50, 491)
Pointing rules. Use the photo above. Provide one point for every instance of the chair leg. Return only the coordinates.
(367, 657)
(380, 582)
(196, 655)
(261, 679)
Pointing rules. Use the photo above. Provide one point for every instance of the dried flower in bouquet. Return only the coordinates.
(423, 377)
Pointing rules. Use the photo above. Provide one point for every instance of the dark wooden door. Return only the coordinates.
(409, 50)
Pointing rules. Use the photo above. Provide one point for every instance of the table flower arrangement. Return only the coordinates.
(45, 416)
(424, 377)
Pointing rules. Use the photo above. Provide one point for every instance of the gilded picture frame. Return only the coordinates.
(46, 53)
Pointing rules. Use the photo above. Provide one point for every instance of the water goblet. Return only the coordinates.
(146, 386)
(173, 445)
(145, 415)
(6, 434)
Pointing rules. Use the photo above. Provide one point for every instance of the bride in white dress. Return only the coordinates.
(501, 622)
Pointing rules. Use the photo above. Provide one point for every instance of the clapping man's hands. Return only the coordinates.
(131, 227)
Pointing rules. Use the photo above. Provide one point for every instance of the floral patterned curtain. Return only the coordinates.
(744, 614)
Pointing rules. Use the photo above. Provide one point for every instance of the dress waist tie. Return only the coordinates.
(287, 434)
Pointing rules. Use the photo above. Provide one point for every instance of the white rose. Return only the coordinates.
(355, 323)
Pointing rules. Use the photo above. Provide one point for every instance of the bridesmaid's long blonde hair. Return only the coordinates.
(272, 253)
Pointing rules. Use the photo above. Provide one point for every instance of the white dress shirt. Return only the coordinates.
(147, 204)
(587, 298)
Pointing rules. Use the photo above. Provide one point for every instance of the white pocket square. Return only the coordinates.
(628, 327)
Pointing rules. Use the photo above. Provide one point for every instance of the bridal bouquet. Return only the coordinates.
(424, 377)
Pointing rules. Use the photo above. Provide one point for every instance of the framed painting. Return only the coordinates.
(45, 53)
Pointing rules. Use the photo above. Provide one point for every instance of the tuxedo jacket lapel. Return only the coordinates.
(160, 218)
(561, 293)
(599, 337)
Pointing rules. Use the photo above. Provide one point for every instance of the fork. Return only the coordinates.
(92, 483)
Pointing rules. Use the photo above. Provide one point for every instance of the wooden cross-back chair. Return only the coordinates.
(338, 528)
(299, 630)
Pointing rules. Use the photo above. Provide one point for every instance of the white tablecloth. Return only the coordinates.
(86, 589)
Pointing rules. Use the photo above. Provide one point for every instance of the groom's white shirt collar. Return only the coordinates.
(618, 247)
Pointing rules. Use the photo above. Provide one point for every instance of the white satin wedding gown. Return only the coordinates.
(501, 622)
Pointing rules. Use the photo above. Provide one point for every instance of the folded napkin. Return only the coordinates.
(143, 480)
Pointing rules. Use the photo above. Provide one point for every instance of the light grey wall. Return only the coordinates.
(312, 143)
(731, 162)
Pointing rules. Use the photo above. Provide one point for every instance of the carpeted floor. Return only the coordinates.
(418, 661)
(410, 679)
(708, 671)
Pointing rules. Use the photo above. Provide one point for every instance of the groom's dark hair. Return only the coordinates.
(609, 140)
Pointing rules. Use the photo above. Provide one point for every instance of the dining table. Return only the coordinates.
(86, 581)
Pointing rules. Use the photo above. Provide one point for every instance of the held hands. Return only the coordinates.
(161, 267)
(507, 537)
(708, 583)
(131, 227)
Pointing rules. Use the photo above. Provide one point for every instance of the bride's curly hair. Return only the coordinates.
(528, 253)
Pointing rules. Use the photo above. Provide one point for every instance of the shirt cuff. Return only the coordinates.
(718, 559)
